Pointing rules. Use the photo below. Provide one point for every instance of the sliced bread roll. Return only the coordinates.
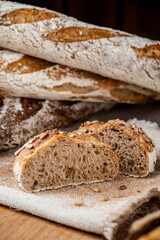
(55, 159)
(135, 150)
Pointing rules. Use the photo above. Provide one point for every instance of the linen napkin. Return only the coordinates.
(111, 211)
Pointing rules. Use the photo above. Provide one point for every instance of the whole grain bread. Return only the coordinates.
(135, 150)
(22, 118)
(58, 38)
(25, 76)
(55, 159)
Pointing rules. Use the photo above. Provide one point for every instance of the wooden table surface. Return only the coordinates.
(23, 226)
(16, 225)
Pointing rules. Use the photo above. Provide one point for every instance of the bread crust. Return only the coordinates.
(35, 143)
(132, 131)
(42, 141)
(57, 38)
(22, 118)
(25, 76)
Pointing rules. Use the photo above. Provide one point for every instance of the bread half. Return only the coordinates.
(135, 150)
(55, 159)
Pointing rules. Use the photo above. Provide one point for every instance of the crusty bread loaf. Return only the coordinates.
(25, 76)
(22, 118)
(57, 38)
(55, 159)
(135, 150)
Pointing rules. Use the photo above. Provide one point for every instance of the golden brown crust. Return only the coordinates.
(121, 94)
(71, 88)
(39, 140)
(81, 74)
(36, 142)
(27, 64)
(85, 137)
(55, 36)
(71, 34)
(135, 132)
(118, 90)
(118, 126)
(22, 16)
(22, 155)
(94, 125)
(77, 34)
(130, 96)
(148, 51)
(31, 156)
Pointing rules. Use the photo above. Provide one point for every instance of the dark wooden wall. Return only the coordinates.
(140, 17)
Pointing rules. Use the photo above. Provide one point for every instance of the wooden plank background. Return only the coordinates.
(140, 17)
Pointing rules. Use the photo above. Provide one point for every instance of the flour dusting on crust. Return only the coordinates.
(21, 118)
(115, 56)
(24, 76)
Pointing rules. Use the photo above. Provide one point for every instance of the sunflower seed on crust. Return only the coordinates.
(78, 203)
(43, 135)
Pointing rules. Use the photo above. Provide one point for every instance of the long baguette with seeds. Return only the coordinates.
(25, 76)
(58, 38)
(135, 150)
(57, 159)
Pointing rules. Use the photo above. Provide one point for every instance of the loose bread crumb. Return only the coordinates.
(123, 187)
(96, 190)
(78, 203)
(105, 199)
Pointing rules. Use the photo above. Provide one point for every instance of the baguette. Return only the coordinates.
(25, 76)
(55, 159)
(21, 118)
(135, 150)
(58, 38)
